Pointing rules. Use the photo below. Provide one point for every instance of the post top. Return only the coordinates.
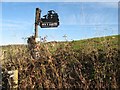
(38, 9)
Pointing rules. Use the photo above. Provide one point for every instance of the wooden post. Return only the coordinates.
(37, 21)
(13, 79)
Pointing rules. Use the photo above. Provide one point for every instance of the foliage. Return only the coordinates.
(92, 64)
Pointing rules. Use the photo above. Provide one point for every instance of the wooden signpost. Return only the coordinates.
(50, 20)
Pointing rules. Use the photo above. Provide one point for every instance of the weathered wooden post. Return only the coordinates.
(13, 78)
(48, 21)
(37, 22)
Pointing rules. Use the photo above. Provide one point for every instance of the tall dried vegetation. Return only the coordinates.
(95, 64)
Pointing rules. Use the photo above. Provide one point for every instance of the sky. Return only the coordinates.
(60, 1)
(78, 20)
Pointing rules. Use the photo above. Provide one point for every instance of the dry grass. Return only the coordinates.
(65, 67)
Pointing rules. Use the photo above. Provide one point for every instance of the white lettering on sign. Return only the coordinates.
(49, 24)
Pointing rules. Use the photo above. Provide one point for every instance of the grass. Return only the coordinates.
(79, 44)
(90, 63)
(97, 42)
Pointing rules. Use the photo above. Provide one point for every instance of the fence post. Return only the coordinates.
(13, 79)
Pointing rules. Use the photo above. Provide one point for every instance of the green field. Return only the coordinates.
(90, 63)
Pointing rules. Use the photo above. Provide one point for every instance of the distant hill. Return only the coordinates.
(97, 42)
(89, 63)
(79, 44)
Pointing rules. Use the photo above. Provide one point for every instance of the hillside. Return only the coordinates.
(90, 63)
(98, 41)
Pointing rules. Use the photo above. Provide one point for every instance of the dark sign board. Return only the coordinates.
(49, 20)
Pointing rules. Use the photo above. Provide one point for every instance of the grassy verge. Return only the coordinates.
(91, 63)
